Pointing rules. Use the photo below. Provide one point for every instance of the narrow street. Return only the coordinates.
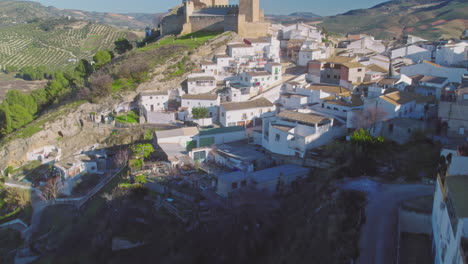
(379, 234)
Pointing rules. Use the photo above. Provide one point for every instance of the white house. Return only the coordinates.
(276, 70)
(450, 213)
(453, 54)
(45, 154)
(315, 92)
(293, 134)
(154, 101)
(412, 52)
(223, 61)
(270, 181)
(402, 104)
(431, 85)
(293, 101)
(209, 101)
(340, 105)
(244, 114)
(201, 84)
(299, 31)
(432, 69)
(238, 50)
(260, 79)
(209, 67)
(180, 136)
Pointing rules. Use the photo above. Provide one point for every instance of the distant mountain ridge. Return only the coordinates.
(431, 19)
(13, 12)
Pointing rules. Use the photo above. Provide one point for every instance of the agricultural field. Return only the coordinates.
(28, 45)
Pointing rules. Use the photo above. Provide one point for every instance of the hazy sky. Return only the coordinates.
(320, 7)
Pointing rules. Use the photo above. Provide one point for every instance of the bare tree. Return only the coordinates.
(52, 189)
(368, 118)
(121, 157)
(101, 85)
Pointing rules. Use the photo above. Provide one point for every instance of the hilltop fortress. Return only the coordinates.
(216, 15)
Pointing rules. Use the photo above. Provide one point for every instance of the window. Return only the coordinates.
(465, 96)
(244, 116)
(328, 75)
(359, 70)
(244, 183)
(211, 104)
(461, 131)
(222, 114)
(390, 128)
(335, 108)
(234, 185)
(151, 97)
(277, 137)
(251, 114)
(323, 105)
(260, 111)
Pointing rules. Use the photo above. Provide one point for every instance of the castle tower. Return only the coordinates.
(220, 2)
(251, 10)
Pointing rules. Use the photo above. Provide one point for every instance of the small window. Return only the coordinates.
(244, 183)
(359, 70)
(234, 185)
(277, 137)
(465, 96)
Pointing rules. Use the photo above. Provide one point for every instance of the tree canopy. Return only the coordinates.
(200, 113)
(101, 58)
(122, 45)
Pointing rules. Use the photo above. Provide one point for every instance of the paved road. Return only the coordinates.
(378, 243)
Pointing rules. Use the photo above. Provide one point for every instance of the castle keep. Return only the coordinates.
(216, 15)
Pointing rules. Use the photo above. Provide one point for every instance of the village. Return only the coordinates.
(252, 123)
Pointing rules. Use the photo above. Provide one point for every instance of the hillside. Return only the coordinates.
(425, 18)
(293, 17)
(38, 43)
(14, 12)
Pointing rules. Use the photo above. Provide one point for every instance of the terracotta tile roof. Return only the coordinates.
(259, 103)
(153, 93)
(327, 88)
(417, 77)
(338, 59)
(351, 65)
(283, 127)
(259, 73)
(239, 46)
(388, 81)
(202, 78)
(206, 96)
(257, 40)
(433, 79)
(207, 63)
(350, 101)
(399, 98)
(431, 63)
(303, 117)
(377, 68)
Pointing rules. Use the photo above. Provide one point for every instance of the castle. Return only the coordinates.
(216, 15)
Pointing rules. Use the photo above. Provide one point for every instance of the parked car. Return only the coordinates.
(190, 123)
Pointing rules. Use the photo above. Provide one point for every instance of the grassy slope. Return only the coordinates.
(391, 19)
(27, 45)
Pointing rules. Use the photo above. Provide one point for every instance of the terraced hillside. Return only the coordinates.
(22, 11)
(29, 45)
(442, 19)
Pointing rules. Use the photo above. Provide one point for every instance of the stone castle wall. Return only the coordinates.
(207, 23)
